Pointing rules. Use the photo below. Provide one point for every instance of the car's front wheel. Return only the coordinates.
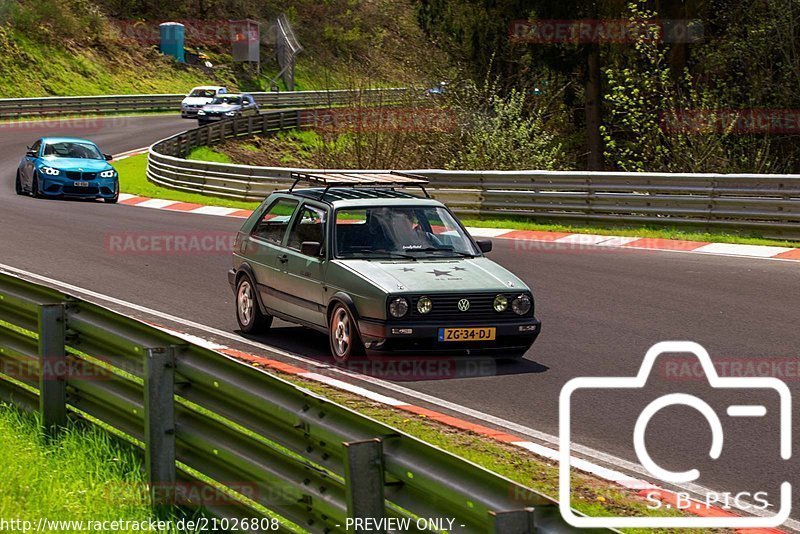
(18, 184)
(35, 192)
(248, 313)
(343, 335)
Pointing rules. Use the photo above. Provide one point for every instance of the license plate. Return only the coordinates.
(81, 184)
(467, 334)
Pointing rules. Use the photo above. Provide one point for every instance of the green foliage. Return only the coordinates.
(205, 153)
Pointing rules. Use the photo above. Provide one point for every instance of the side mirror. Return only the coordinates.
(485, 245)
(30, 154)
(311, 248)
(108, 157)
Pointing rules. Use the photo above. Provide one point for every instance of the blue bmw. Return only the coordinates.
(67, 167)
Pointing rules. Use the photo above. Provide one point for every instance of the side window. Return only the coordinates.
(272, 226)
(309, 226)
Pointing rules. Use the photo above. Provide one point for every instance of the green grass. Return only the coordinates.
(81, 475)
(518, 223)
(133, 180)
(31, 68)
(205, 153)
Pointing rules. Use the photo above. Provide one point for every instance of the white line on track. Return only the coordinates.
(553, 441)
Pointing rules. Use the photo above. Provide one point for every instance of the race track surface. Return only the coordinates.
(601, 310)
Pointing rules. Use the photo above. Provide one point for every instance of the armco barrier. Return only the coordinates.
(23, 107)
(763, 203)
(231, 425)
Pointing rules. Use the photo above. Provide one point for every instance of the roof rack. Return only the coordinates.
(389, 179)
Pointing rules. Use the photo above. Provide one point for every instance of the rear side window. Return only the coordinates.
(273, 224)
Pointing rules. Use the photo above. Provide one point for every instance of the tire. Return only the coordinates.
(343, 335)
(18, 185)
(35, 193)
(248, 313)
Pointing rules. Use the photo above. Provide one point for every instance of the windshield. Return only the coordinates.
(72, 149)
(231, 100)
(204, 93)
(400, 232)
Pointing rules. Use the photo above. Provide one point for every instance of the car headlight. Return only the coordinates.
(500, 303)
(424, 305)
(51, 171)
(230, 114)
(201, 112)
(398, 307)
(108, 174)
(521, 305)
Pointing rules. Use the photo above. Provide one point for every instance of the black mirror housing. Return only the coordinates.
(108, 157)
(485, 245)
(30, 154)
(311, 248)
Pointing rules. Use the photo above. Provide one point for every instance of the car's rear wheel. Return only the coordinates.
(18, 185)
(343, 335)
(248, 313)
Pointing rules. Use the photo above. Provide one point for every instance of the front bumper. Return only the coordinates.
(55, 186)
(511, 336)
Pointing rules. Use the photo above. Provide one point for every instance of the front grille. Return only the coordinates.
(72, 190)
(78, 176)
(445, 307)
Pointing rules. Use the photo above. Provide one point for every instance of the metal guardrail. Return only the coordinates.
(312, 462)
(763, 203)
(22, 107)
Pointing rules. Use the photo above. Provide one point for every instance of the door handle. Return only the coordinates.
(283, 259)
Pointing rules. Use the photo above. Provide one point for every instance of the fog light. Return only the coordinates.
(424, 305)
(500, 303)
(402, 331)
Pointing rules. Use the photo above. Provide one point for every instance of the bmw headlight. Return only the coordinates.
(500, 303)
(230, 114)
(398, 307)
(201, 112)
(110, 173)
(424, 305)
(521, 305)
(51, 171)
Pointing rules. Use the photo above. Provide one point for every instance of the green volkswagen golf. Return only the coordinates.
(376, 268)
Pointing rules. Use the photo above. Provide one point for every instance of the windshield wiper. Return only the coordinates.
(445, 249)
(388, 253)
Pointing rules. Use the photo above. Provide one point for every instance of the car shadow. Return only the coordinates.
(395, 367)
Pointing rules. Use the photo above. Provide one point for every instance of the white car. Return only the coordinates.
(199, 97)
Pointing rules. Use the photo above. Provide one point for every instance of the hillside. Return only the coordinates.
(86, 47)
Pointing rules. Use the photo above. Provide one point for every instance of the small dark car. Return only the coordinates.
(377, 268)
(227, 106)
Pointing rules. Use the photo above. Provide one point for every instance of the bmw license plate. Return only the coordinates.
(81, 184)
(467, 334)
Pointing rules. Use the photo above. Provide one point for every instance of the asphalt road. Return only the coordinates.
(601, 310)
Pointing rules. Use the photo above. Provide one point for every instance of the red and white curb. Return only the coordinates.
(556, 239)
(641, 487)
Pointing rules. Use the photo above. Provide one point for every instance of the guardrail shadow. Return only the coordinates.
(394, 367)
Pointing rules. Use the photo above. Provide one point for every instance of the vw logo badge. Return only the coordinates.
(463, 305)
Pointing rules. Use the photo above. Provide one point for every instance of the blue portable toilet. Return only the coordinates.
(172, 39)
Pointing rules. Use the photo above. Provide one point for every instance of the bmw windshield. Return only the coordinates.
(71, 149)
(229, 100)
(400, 233)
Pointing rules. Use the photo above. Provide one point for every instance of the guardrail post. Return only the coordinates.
(52, 368)
(513, 522)
(364, 481)
(159, 431)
